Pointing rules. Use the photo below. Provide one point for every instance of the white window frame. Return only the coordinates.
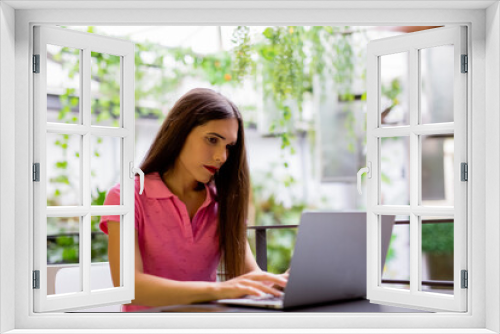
(125, 132)
(411, 45)
(483, 122)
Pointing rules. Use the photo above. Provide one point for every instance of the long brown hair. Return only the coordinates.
(195, 108)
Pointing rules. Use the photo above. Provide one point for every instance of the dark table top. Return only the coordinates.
(351, 306)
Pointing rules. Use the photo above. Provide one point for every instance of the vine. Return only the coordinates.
(291, 57)
(287, 59)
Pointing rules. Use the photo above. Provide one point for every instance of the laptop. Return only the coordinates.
(328, 263)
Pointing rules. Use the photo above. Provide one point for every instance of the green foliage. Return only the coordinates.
(284, 79)
(290, 57)
(158, 71)
(437, 238)
(62, 248)
(216, 68)
(393, 91)
(242, 63)
(271, 211)
(279, 249)
(65, 248)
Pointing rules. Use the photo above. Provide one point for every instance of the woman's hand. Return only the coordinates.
(255, 283)
(285, 277)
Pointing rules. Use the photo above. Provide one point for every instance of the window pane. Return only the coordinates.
(105, 89)
(436, 84)
(63, 169)
(394, 171)
(438, 173)
(396, 270)
(105, 166)
(100, 274)
(63, 255)
(394, 97)
(63, 84)
(437, 253)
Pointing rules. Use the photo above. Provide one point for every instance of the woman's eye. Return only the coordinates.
(212, 140)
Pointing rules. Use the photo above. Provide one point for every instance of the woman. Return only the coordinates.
(192, 214)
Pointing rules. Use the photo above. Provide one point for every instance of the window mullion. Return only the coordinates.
(76, 129)
(85, 229)
(414, 170)
(446, 211)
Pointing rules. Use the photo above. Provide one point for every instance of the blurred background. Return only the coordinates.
(302, 93)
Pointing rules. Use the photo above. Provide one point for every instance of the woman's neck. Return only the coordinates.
(179, 183)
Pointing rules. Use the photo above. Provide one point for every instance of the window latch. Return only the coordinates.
(368, 171)
(134, 170)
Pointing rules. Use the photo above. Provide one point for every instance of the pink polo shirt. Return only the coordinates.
(171, 245)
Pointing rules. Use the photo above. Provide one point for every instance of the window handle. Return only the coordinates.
(135, 170)
(363, 170)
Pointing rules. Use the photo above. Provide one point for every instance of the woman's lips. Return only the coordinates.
(212, 170)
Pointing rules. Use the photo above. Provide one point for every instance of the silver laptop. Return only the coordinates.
(329, 261)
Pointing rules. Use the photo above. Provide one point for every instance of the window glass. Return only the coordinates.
(396, 270)
(100, 272)
(106, 161)
(105, 89)
(437, 254)
(436, 84)
(63, 84)
(393, 92)
(394, 171)
(438, 172)
(63, 169)
(63, 255)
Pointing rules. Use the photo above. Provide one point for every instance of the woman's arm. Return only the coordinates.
(155, 291)
(250, 262)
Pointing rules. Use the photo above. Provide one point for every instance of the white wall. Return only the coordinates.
(7, 158)
(362, 322)
(491, 166)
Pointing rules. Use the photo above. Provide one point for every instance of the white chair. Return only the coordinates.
(67, 280)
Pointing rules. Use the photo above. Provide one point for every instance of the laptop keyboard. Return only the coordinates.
(266, 297)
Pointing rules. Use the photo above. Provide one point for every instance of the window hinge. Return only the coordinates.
(465, 279)
(36, 279)
(36, 63)
(36, 172)
(464, 171)
(465, 64)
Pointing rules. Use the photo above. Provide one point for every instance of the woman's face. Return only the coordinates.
(207, 148)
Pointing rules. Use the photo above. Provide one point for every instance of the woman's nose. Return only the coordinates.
(221, 156)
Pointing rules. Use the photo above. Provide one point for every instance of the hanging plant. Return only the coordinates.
(290, 57)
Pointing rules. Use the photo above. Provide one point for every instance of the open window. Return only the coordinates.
(415, 123)
(76, 133)
(18, 17)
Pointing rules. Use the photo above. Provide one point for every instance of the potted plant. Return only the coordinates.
(437, 246)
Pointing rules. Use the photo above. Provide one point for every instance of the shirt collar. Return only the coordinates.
(155, 188)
